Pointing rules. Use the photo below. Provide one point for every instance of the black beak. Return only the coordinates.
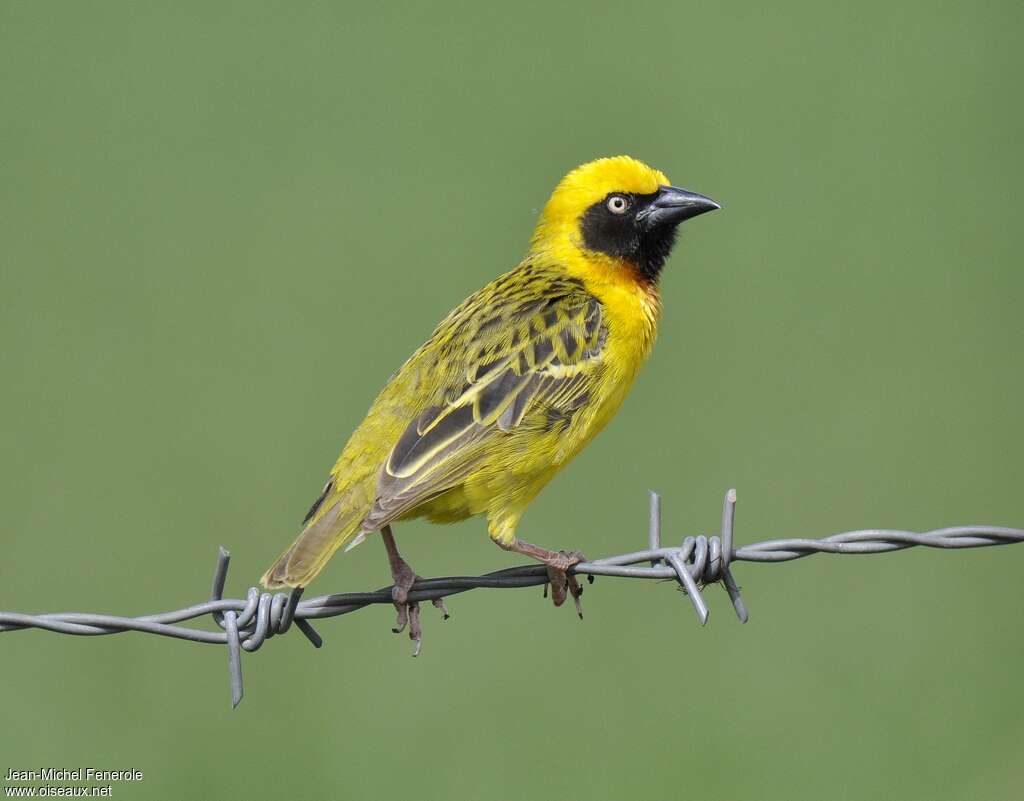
(671, 206)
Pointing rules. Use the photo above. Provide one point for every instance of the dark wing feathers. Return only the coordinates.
(320, 499)
(547, 361)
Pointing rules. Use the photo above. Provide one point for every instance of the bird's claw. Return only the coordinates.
(409, 612)
(402, 620)
(439, 603)
(564, 583)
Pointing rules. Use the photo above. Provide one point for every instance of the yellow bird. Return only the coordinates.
(512, 383)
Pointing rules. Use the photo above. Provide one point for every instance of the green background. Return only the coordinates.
(222, 227)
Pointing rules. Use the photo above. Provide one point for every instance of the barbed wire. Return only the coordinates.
(699, 561)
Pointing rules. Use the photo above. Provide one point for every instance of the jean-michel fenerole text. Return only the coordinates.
(73, 775)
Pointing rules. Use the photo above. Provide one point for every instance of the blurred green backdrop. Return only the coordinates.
(224, 225)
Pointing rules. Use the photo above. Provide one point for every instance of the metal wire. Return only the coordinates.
(246, 624)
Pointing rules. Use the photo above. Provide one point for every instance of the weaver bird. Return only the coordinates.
(511, 385)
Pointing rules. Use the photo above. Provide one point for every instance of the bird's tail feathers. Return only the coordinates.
(321, 537)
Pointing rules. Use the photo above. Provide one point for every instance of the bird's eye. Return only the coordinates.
(617, 204)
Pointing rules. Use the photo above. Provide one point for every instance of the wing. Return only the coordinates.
(518, 356)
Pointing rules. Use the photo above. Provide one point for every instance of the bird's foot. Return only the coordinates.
(562, 582)
(558, 563)
(409, 612)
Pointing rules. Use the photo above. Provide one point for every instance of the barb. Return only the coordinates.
(699, 561)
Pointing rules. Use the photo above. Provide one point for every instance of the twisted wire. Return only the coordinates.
(245, 625)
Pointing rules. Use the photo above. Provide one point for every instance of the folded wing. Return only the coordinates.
(540, 354)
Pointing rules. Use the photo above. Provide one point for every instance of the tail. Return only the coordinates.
(322, 536)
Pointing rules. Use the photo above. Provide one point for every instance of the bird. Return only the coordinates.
(510, 386)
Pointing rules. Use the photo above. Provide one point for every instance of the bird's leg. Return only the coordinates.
(558, 563)
(404, 577)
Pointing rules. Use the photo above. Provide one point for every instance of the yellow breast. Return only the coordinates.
(632, 306)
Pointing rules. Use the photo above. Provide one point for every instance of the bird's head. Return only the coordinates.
(617, 211)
